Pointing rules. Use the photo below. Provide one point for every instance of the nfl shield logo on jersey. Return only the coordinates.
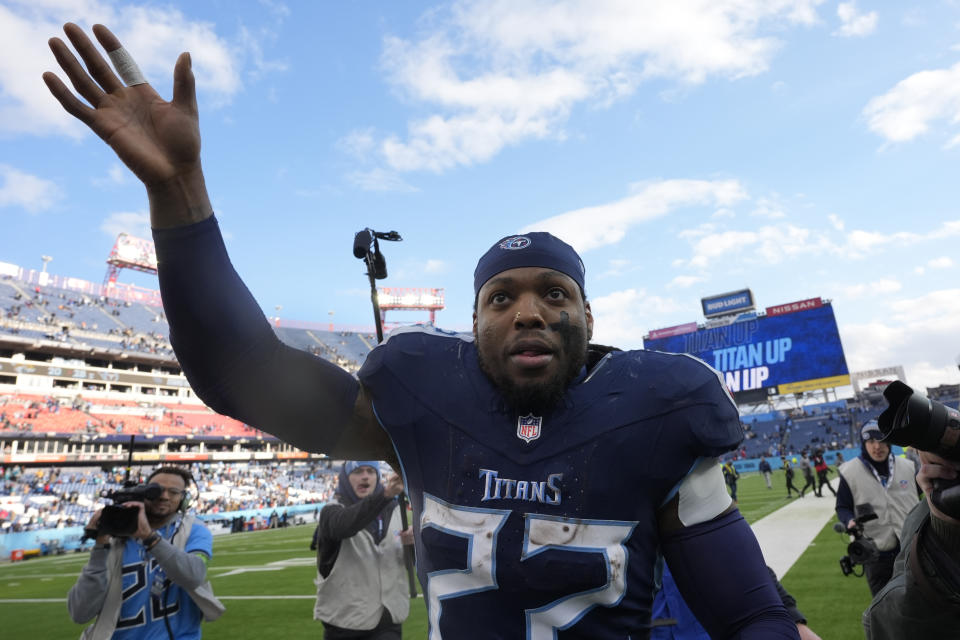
(528, 427)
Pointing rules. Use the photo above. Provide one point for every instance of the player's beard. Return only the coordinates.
(539, 397)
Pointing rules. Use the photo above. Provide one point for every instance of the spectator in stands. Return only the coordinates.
(807, 470)
(823, 470)
(886, 483)
(361, 576)
(766, 471)
(169, 550)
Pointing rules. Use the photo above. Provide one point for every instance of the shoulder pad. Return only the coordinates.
(687, 385)
(409, 344)
(419, 365)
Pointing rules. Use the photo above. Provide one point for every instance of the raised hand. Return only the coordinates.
(933, 467)
(393, 485)
(158, 140)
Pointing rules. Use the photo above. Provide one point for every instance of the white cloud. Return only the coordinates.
(622, 317)
(117, 174)
(135, 223)
(154, 35)
(836, 222)
(358, 143)
(768, 244)
(278, 9)
(854, 23)
(249, 47)
(942, 262)
(600, 225)
(773, 244)
(769, 208)
(881, 287)
(699, 231)
(435, 266)
(498, 72)
(619, 267)
(919, 333)
(378, 179)
(909, 109)
(19, 189)
(682, 282)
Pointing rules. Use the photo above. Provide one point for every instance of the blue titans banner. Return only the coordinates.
(786, 353)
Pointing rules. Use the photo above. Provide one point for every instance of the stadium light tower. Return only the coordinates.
(410, 298)
(45, 260)
(129, 252)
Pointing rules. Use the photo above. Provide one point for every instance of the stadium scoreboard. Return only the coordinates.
(793, 348)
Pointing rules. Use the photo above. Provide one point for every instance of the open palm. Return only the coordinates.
(156, 139)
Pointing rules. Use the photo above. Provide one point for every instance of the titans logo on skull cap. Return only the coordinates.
(515, 242)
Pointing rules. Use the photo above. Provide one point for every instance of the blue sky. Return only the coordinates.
(688, 148)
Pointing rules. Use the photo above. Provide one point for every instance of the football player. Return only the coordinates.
(544, 473)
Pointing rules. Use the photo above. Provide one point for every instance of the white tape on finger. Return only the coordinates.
(127, 67)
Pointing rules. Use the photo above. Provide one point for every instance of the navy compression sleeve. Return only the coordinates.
(230, 354)
(845, 506)
(720, 571)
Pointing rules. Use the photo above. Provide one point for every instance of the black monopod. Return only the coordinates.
(366, 247)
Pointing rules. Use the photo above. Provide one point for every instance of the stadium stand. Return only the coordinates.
(73, 318)
(89, 382)
(52, 497)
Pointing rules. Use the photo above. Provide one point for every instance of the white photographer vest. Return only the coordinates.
(365, 578)
(892, 503)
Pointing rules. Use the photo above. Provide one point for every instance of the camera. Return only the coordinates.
(862, 549)
(118, 520)
(914, 420)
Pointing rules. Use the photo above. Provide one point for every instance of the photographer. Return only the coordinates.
(922, 599)
(885, 482)
(362, 589)
(153, 583)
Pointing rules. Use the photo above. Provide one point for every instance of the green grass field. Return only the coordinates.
(266, 581)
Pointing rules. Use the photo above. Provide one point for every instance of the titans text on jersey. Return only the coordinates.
(496, 488)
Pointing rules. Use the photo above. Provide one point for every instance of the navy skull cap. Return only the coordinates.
(533, 249)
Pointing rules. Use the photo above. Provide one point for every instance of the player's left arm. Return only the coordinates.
(187, 568)
(729, 591)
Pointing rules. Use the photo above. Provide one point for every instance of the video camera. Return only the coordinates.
(914, 420)
(862, 549)
(118, 520)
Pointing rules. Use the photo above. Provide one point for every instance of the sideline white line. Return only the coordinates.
(785, 534)
(55, 600)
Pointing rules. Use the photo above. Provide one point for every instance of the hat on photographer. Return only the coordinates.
(870, 431)
(872, 447)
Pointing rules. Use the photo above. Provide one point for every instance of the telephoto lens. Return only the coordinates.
(914, 420)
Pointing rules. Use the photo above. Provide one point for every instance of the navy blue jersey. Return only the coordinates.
(542, 527)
